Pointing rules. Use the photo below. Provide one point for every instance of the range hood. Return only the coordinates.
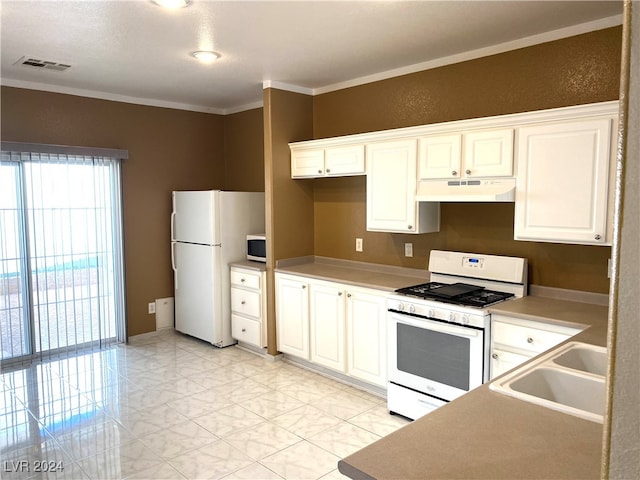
(487, 190)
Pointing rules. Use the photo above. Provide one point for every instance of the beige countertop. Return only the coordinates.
(487, 435)
(381, 277)
(250, 265)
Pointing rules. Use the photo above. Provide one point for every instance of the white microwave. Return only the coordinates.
(257, 247)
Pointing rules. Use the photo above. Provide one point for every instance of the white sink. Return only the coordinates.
(570, 379)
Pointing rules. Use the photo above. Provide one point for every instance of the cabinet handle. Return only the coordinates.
(410, 227)
(454, 173)
(495, 356)
(529, 340)
(468, 172)
(597, 237)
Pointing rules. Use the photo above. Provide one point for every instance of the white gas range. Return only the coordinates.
(440, 332)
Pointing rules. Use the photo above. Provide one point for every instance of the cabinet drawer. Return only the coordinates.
(245, 279)
(245, 330)
(245, 302)
(525, 337)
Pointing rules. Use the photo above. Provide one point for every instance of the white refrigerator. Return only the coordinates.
(208, 231)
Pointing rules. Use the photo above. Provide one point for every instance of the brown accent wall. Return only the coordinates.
(244, 151)
(168, 150)
(572, 71)
(289, 215)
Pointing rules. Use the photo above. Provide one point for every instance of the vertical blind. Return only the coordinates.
(61, 252)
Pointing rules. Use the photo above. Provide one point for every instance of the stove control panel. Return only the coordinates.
(439, 311)
(475, 263)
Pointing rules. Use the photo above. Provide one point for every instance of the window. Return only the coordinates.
(61, 259)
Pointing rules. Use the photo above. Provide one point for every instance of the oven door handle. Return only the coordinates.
(459, 331)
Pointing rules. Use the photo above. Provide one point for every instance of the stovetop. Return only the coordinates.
(456, 293)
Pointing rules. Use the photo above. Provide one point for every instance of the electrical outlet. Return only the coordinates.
(151, 308)
(358, 244)
(408, 249)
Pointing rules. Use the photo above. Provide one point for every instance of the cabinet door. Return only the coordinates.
(563, 179)
(347, 160)
(440, 157)
(292, 316)
(327, 326)
(307, 163)
(391, 186)
(366, 334)
(488, 153)
(502, 361)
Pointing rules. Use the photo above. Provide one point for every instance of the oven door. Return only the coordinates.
(439, 359)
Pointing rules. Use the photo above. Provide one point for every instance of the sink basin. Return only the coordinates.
(584, 358)
(570, 379)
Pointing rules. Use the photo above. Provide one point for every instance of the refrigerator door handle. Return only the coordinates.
(173, 218)
(173, 265)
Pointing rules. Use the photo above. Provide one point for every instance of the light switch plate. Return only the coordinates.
(358, 244)
(408, 249)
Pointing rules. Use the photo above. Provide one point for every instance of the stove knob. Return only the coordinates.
(452, 316)
(465, 319)
(432, 313)
(412, 308)
(401, 307)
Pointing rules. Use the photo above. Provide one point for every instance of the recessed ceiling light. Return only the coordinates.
(172, 4)
(206, 56)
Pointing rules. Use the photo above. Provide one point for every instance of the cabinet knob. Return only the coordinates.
(495, 356)
(339, 294)
(319, 171)
(304, 286)
(597, 237)
(468, 172)
(328, 170)
(242, 280)
(410, 227)
(454, 173)
(529, 340)
(244, 330)
(349, 295)
(243, 302)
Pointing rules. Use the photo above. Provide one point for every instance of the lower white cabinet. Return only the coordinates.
(334, 325)
(327, 325)
(248, 306)
(366, 335)
(292, 315)
(516, 340)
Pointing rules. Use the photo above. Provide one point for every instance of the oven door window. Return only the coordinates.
(432, 355)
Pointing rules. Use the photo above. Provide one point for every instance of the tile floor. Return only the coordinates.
(170, 407)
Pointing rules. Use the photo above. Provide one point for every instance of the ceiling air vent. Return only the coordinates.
(33, 62)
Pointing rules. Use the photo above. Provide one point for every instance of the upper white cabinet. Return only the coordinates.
(563, 182)
(391, 190)
(335, 161)
(474, 154)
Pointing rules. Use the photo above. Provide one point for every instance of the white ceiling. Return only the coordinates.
(137, 52)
